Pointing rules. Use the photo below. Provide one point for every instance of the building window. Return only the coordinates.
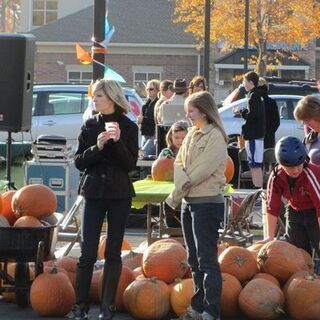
(44, 11)
(142, 74)
(318, 42)
(79, 77)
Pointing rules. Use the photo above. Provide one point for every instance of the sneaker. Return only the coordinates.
(78, 313)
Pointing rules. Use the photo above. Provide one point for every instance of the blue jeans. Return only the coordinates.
(200, 224)
(95, 210)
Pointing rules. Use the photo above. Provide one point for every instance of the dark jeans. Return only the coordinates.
(303, 229)
(200, 224)
(93, 215)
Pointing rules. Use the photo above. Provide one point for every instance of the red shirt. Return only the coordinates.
(305, 194)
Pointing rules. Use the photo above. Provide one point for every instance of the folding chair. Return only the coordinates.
(269, 160)
(243, 176)
(237, 231)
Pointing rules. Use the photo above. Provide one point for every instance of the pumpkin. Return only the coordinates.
(28, 221)
(95, 287)
(166, 260)
(137, 272)
(180, 296)
(298, 274)
(52, 294)
(35, 200)
(147, 299)
(303, 296)
(231, 288)
(102, 245)
(6, 210)
(267, 276)
(125, 279)
(280, 259)
(261, 299)
(131, 259)
(239, 262)
(255, 248)
(229, 169)
(308, 262)
(162, 169)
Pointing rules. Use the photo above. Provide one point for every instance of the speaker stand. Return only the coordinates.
(10, 184)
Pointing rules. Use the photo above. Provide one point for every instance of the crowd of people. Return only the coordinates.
(108, 150)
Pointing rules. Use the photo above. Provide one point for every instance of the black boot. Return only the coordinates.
(83, 282)
(111, 275)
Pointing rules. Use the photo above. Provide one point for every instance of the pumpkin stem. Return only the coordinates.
(279, 310)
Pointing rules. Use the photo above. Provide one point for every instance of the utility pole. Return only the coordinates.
(246, 36)
(98, 36)
(206, 60)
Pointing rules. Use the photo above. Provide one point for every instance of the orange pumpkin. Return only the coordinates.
(303, 296)
(180, 296)
(137, 272)
(131, 259)
(35, 200)
(231, 288)
(52, 294)
(125, 279)
(229, 170)
(147, 299)
(308, 262)
(162, 169)
(281, 259)
(166, 260)
(239, 262)
(102, 245)
(296, 275)
(267, 276)
(6, 210)
(254, 248)
(28, 221)
(261, 299)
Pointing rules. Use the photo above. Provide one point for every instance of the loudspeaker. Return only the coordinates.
(161, 131)
(16, 81)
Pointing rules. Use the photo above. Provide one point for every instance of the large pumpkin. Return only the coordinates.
(35, 200)
(28, 221)
(303, 298)
(239, 262)
(147, 299)
(229, 170)
(52, 294)
(162, 169)
(231, 288)
(180, 297)
(267, 276)
(131, 259)
(6, 210)
(281, 259)
(102, 245)
(166, 260)
(261, 299)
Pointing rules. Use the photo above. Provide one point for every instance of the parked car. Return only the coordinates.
(290, 88)
(288, 125)
(58, 110)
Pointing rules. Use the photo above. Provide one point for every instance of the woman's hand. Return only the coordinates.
(112, 133)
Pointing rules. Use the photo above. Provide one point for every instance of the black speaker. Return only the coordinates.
(16, 81)
(161, 131)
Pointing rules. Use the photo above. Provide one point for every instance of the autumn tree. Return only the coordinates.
(9, 15)
(282, 22)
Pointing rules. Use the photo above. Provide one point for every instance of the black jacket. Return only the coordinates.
(106, 172)
(254, 126)
(148, 125)
(272, 117)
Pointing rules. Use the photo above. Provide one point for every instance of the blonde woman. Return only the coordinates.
(107, 152)
(146, 119)
(165, 94)
(199, 184)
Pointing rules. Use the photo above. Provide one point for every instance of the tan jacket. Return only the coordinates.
(200, 165)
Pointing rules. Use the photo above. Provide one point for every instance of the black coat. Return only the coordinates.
(148, 125)
(106, 172)
(254, 126)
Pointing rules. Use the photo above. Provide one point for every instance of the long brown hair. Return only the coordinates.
(203, 101)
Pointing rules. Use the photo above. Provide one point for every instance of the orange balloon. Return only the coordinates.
(229, 170)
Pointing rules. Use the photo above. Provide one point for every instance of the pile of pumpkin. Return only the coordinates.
(162, 169)
(27, 206)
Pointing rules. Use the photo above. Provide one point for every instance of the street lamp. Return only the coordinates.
(206, 58)
(246, 36)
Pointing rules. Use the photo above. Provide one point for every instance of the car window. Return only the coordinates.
(62, 103)
(286, 107)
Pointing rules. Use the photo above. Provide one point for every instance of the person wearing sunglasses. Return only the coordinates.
(146, 119)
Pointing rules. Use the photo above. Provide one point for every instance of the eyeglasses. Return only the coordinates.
(149, 89)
